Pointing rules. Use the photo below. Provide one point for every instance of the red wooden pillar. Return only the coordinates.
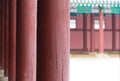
(119, 33)
(85, 32)
(101, 32)
(6, 36)
(12, 40)
(114, 32)
(53, 47)
(2, 33)
(92, 34)
(26, 40)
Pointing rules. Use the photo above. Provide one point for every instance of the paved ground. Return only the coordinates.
(95, 68)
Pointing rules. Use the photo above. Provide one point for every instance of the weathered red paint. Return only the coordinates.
(12, 40)
(6, 37)
(26, 40)
(53, 40)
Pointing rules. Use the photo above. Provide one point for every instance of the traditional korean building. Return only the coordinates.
(85, 25)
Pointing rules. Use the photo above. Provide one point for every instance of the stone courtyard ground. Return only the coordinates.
(95, 68)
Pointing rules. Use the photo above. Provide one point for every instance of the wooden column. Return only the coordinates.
(6, 36)
(12, 40)
(101, 32)
(85, 32)
(53, 43)
(119, 32)
(114, 32)
(26, 40)
(2, 33)
(92, 34)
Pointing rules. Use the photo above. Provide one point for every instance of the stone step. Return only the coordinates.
(1, 73)
(3, 78)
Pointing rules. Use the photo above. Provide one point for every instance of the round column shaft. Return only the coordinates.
(12, 40)
(2, 33)
(101, 33)
(53, 47)
(92, 34)
(26, 40)
(6, 36)
(113, 32)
